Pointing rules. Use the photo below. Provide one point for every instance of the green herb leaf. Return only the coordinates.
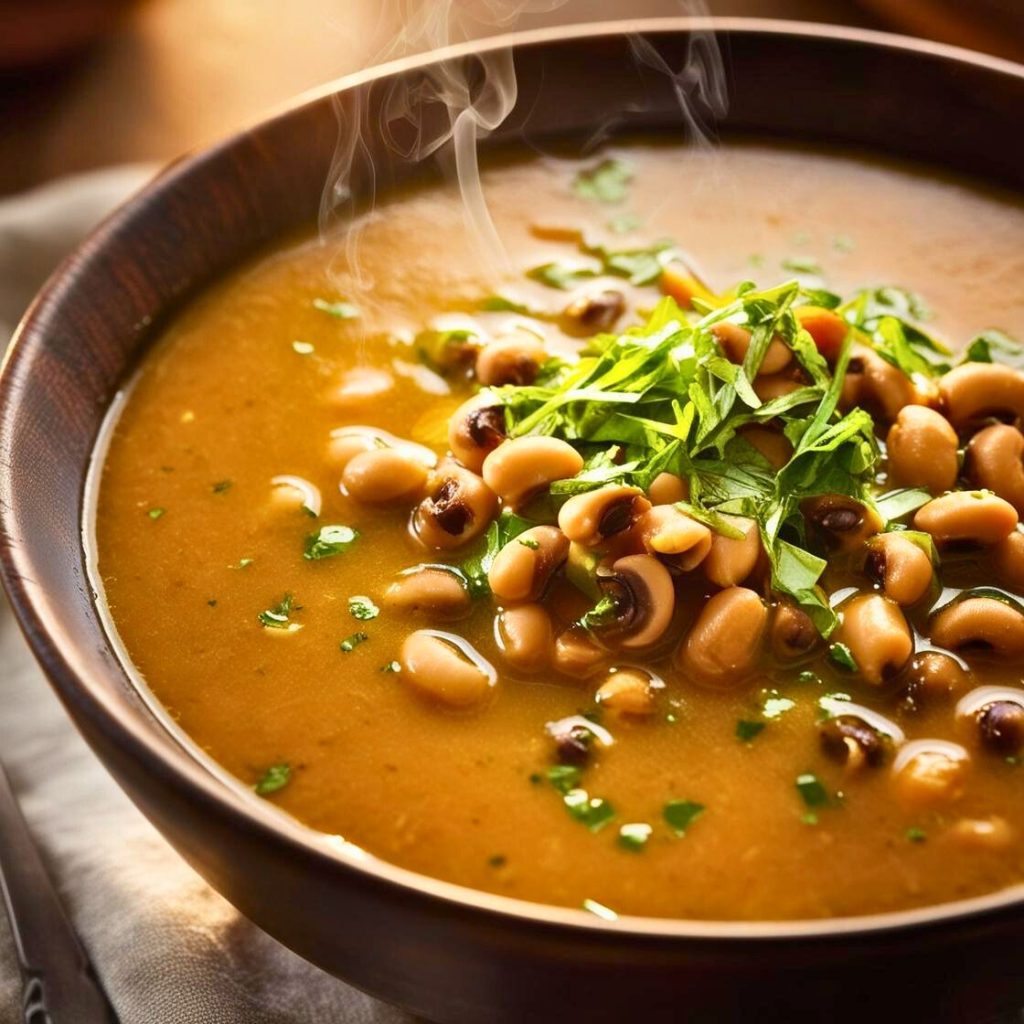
(802, 265)
(222, 486)
(329, 541)
(156, 513)
(564, 777)
(916, 835)
(606, 183)
(352, 642)
(894, 505)
(811, 790)
(588, 810)
(993, 346)
(276, 777)
(392, 667)
(681, 814)
(747, 730)
(634, 836)
(561, 275)
(339, 310)
(362, 608)
(279, 616)
(841, 655)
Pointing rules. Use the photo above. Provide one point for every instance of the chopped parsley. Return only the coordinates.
(775, 706)
(588, 810)
(352, 642)
(681, 814)
(276, 777)
(916, 835)
(747, 730)
(279, 617)
(339, 310)
(392, 667)
(811, 790)
(802, 265)
(634, 836)
(563, 777)
(156, 513)
(222, 486)
(841, 656)
(498, 860)
(608, 182)
(527, 542)
(329, 541)
(362, 608)
(242, 563)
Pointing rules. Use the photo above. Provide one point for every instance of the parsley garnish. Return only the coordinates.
(352, 642)
(842, 656)
(747, 730)
(802, 265)
(916, 835)
(681, 814)
(222, 486)
(279, 617)
(498, 860)
(242, 563)
(811, 790)
(362, 608)
(588, 810)
(606, 183)
(329, 541)
(156, 513)
(339, 310)
(634, 836)
(392, 666)
(528, 543)
(276, 777)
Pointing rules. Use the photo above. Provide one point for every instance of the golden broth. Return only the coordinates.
(226, 401)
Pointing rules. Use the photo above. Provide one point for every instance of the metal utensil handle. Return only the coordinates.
(59, 984)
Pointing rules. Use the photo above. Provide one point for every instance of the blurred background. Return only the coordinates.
(89, 83)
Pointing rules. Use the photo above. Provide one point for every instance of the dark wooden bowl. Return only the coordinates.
(447, 952)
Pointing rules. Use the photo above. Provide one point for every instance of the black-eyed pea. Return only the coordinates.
(975, 390)
(935, 677)
(384, 475)
(930, 774)
(793, 634)
(446, 669)
(526, 637)
(851, 741)
(993, 716)
(922, 450)
(666, 530)
(976, 517)
(458, 507)
(994, 834)
(995, 460)
(1008, 560)
(844, 523)
(515, 358)
(735, 340)
(628, 691)
(877, 635)
(903, 569)
(979, 623)
(827, 329)
(429, 590)
(730, 560)
(593, 517)
(772, 444)
(475, 429)
(522, 569)
(775, 385)
(518, 468)
(876, 384)
(667, 489)
(577, 655)
(593, 313)
(644, 597)
(725, 643)
(348, 442)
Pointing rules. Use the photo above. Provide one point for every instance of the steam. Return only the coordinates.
(447, 108)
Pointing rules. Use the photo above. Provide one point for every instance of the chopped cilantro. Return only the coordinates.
(809, 818)
(497, 860)
(242, 563)
(561, 275)
(775, 706)
(392, 666)
(564, 777)
(536, 778)
(808, 677)
(279, 617)
(528, 542)
(607, 182)
(601, 614)
(212, 602)
(916, 835)
(588, 810)
(802, 265)
(681, 814)
(329, 541)
(156, 513)
(276, 777)
(222, 486)
(747, 730)
(994, 346)
(634, 836)
(811, 790)
(841, 655)
(339, 310)
(362, 608)
(352, 642)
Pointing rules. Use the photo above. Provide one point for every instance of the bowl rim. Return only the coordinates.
(91, 696)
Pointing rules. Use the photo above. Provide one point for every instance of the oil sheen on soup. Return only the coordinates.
(666, 564)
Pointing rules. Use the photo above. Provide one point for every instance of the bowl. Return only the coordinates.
(446, 952)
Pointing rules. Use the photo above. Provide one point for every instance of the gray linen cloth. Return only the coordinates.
(166, 947)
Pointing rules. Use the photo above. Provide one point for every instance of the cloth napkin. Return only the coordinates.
(166, 947)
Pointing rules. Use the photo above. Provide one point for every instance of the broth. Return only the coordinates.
(247, 384)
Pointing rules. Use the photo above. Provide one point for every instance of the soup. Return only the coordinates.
(600, 580)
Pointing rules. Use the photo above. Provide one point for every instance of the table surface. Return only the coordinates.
(177, 74)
